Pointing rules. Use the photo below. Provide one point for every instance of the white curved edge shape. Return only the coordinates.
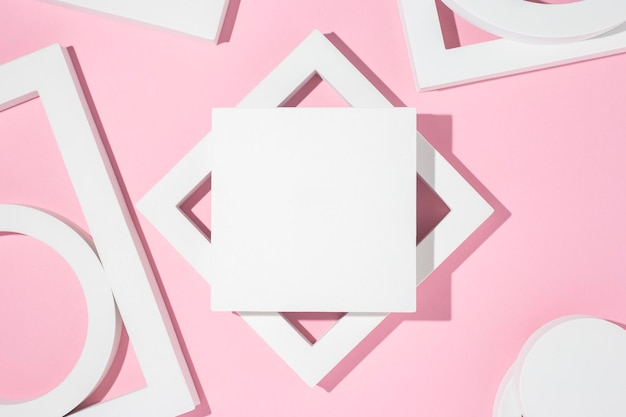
(436, 67)
(315, 55)
(573, 366)
(103, 322)
(507, 401)
(200, 18)
(48, 74)
(525, 21)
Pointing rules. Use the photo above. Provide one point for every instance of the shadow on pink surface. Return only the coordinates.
(203, 408)
(312, 326)
(449, 30)
(190, 207)
(114, 372)
(456, 31)
(229, 21)
(303, 92)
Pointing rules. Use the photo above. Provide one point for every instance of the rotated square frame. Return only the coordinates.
(48, 74)
(315, 55)
(435, 67)
(200, 18)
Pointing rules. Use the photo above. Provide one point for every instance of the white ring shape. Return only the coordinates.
(524, 21)
(103, 323)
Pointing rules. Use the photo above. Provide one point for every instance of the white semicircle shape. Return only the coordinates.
(103, 322)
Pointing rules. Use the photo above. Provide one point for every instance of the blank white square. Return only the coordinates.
(314, 209)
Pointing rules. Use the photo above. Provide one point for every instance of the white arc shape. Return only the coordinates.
(525, 21)
(103, 321)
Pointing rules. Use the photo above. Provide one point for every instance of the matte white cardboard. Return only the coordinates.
(313, 209)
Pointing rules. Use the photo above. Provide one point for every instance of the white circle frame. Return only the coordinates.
(103, 323)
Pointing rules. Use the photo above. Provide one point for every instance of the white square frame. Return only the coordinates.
(49, 74)
(200, 18)
(315, 55)
(436, 67)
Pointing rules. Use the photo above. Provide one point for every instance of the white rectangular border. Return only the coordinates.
(49, 74)
(435, 67)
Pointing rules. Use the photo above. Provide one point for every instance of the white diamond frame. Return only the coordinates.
(315, 55)
(201, 18)
(436, 67)
(49, 74)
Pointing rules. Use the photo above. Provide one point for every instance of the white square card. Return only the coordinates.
(314, 209)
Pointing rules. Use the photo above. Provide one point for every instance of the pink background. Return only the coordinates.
(545, 148)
